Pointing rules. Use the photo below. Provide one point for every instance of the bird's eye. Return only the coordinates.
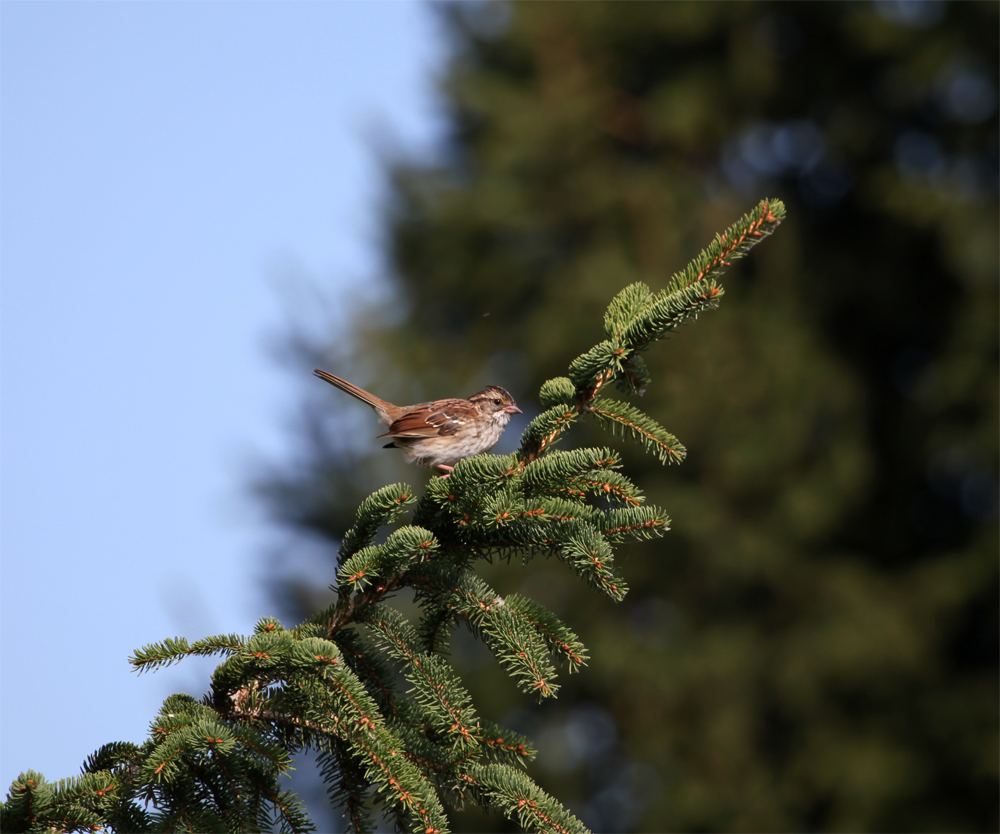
(497, 402)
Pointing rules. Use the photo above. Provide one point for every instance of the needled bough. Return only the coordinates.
(372, 693)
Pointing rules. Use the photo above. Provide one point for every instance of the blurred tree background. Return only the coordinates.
(814, 646)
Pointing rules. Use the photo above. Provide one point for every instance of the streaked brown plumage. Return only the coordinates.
(439, 433)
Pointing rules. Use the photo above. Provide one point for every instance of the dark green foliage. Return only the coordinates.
(814, 645)
(514, 795)
(585, 369)
(563, 643)
(558, 391)
(173, 650)
(329, 686)
(548, 426)
(377, 510)
(78, 804)
(628, 420)
(590, 554)
(403, 548)
(444, 704)
(198, 772)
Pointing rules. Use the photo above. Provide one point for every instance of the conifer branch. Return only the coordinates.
(736, 242)
(347, 785)
(329, 686)
(504, 746)
(517, 645)
(624, 418)
(379, 509)
(635, 318)
(561, 640)
(513, 794)
(589, 553)
(371, 668)
(406, 546)
(436, 687)
(434, 629)
(172, 650)
(634, 524)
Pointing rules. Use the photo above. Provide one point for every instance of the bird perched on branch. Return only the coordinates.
(439, 434)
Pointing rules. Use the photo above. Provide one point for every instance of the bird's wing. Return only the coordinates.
(428, 420)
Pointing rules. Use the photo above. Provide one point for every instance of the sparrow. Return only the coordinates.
(439, 434)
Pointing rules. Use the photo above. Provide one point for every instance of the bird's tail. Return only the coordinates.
(351, 389)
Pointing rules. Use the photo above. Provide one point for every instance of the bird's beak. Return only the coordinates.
(512, 409)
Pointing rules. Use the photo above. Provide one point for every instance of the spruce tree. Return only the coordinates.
(372, 691)
(814, 647)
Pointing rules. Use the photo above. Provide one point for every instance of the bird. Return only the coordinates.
(440, 433)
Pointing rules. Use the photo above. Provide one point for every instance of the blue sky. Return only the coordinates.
(162, 164)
